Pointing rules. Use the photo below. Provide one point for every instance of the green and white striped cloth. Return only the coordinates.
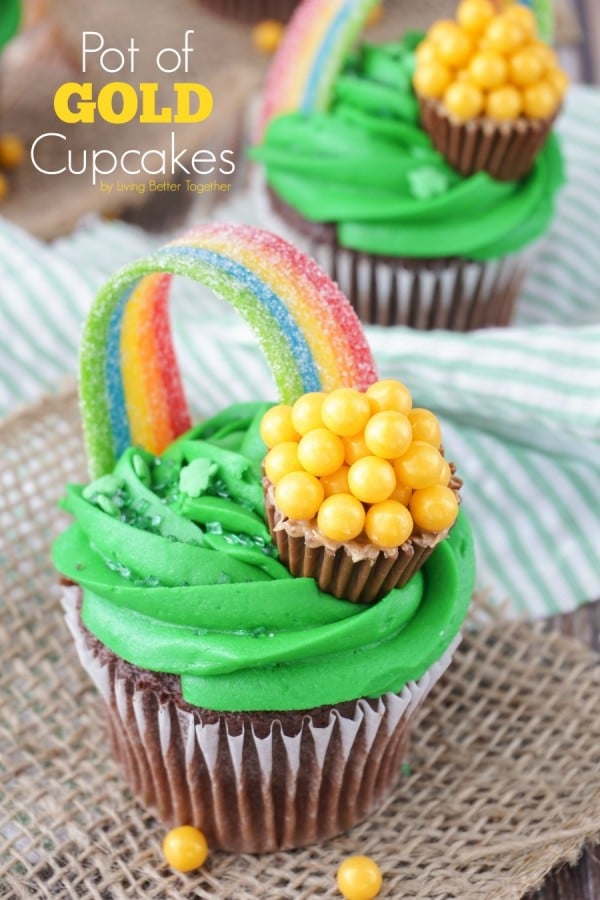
(520, 407)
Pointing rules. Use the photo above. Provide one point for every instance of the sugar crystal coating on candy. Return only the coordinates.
(131, 390)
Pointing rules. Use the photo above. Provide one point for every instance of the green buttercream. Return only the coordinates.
(179, 575)
(367, 165)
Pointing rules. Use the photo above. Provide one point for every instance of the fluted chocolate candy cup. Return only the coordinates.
(505, 150)
(359, 574)
(252, 782)
(251, 11)
(448, 292)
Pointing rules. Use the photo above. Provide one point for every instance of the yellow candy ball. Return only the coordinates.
(426, 52)
(266, 35)
(488, 69)
(299, 495)
(12, 151)
(355, 448)
(389, 394)
(420, 467)
(185, 848)
(526, 67)
(440, 30)
(431, 79)
(371, 479)
(388, 524)
(337, 483)
(306, 412)
(282, 459)
(524, 17)
(504, 104)
(455, 48)
(463, 100)
(505, 35)
(446, 472)
(434, 508)
(545, 54)
(320, 452)
(345, 411)
(276, 426)
(474, 15)
(359, 878)
(559, 81)
(341, 517)
(401, 493)
(539, 100)
(425, 426)
(388, 434)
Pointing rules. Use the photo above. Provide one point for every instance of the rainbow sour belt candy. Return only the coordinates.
(130, 388)
(314, 46)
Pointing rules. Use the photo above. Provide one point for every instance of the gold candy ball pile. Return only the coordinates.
(485, 64)
(360, 463)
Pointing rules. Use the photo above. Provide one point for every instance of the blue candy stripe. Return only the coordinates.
(323, 57)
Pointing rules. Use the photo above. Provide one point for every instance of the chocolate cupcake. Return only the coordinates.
(240, 699)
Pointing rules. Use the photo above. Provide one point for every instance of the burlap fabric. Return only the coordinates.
(503, 780)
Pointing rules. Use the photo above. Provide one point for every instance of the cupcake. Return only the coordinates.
(352, 177)
(489, 89)
(241, 699)
(252, 11)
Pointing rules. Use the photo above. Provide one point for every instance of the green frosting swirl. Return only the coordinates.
(367, 166)
(179, 575)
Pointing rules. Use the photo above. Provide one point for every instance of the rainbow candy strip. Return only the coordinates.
(130, 388)
(314, 47)
(310, 56)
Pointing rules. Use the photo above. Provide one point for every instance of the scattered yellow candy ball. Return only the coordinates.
(526, 67)
(341, 517)
(524, 17)
(337, 483)
(355, 448)
(464, 100)
(505, 35)
(306, 412)
(488, 69)
(388, 524)
(321, 452)
(431, 79)
(12, 151)
(388, 434)
(475, 15)
(425, 426)
(389, 394)
(185, 848)
(455, 48)
(504, 104)
(299, 495)
(539, 100)
(420, 467)
(266, 35)
(371, 479)
(276, 425)
(3, 186)
(345, 411)
(359, 878)
(374, 16)
(434, 508)
(280, 460)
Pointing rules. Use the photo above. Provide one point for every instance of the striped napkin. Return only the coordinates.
(520, 407)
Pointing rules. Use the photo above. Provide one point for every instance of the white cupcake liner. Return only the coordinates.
(253, 782)
(450, 292)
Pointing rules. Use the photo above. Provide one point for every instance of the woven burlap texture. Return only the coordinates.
(503, 780)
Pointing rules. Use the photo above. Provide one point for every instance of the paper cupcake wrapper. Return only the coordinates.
(505, 150)
(359, 581)
(253, 782)
(252, 10)
(451, 293)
